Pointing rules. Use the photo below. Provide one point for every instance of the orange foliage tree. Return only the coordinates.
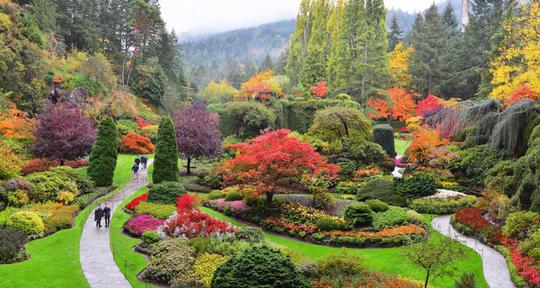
(15, 123)
(425, 140)
(523, 92)
(258, 87)
(320, 90)
(136, 144)
(399, 106)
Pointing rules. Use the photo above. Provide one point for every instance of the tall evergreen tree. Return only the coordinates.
(396, 34)
(267, 64)
(314, 68)
(104, 154)
(166, 159)
(338, 66)
(298, 42)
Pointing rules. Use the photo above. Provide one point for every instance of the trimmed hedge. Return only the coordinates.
(383, 134)
(166, 192)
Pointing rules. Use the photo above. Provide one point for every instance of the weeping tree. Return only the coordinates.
(104, 154)
(166, 159)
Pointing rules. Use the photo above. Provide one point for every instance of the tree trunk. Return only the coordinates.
(269, 197)
(188, 166)
(427, 280)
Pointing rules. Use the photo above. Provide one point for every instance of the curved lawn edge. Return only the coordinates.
(387, 260)
(54, 260)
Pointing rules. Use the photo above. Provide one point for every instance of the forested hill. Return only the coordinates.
(406, 19)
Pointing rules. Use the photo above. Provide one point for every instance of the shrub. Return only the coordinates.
(17, 198)
(12, 245)
(126, 126)
(339, 264)
(258, 267)
(520, 225)
(134, 143)
(142, 223)
(210, 179)
(390, 218)
(383, 134)
(194, 223)
(161, 211)
(216, 194)
(150, 237)
(359, 215)
(377, 205)
(47, 185)
(205, 266)
(84, 183)
(250, 234)
(166, 192)
(467, 280)
(44, 164)
(364, 152)
(442, 206)
(380, 188)
(327, 223)
(416, 185)
(472, 165)
(61, 218)
(150, 132)
(26, 221)
(245, 119)
(104, 154)
(323, 200)
(234, 196)
(166, 159)
(135, 202)
(170, 258)
(10, 164)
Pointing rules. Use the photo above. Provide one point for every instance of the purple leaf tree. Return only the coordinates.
(197, 133)
(63, 133)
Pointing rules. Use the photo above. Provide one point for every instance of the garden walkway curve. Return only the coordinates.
(494, 265)
(96, 256)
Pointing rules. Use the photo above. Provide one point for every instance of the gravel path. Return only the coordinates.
(96, 257)
(494, 265)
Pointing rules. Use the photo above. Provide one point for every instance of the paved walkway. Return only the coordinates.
(96, 257)
(494, 265)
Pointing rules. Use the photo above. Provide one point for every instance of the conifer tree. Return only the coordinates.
(166, 159)
(104, 154)
(338, 66)
(314, 68)
(267, 64)
(298, 43)
(396, 34)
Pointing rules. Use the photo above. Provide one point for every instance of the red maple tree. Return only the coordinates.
(320, 90)
(275, 163)
(431, 103)
(400, 105)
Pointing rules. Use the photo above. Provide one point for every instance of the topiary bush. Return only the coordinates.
(258, 267)
(377, 205)
(234, 196)
(382, 189)
(27, 222)
(383, 134)
(166, 159)
(166, 192)
(104, 153)
(216, 194)
(416, 185)
(359, 215)
(327, 223)
(12, 245)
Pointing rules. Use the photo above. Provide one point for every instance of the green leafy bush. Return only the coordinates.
(210, 179)
(12, 245)
(258, 267)
(234, 196)
(416, 185)
(359, 215)
(392, 217)
(383, 134)
(467, 280)
(471, 166)
(323, 200)
(216, 194)
(377, 205)
(364, 152)
(342, 263)
(205, 266)
(27, 222)
(531, 246)
(47, 185)
(245, 119)
(442, 206)
(521, 225)
(104, 153)
(169, 259)
(150, 237)
(251, 235)
(382, 189)
(327, 223)
(84, 183)
(166, 192)
(126, 126)
(161, 211)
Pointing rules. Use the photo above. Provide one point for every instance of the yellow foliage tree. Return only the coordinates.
(216, 92)
(518, 60)
(399, 65)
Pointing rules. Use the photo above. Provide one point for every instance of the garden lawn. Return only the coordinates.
(401, 146)
(55, 259)
(388, 260)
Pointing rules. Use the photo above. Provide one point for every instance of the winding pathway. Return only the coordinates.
(96, 256)
(493, 263)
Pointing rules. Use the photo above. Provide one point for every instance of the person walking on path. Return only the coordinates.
(98, 214)
(107, 215)
(144, 161)
(137, 161)
(135, 169)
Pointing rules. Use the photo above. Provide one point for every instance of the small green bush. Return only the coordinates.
(327, 223)
(170, 259)
(383, 134)
(416, 185)
(150, 237)
(216, 194)
(467, 280)
(161, 211)
(166, 192)
(377, 205)
(359, 215)
(442, 206)
(343, 263)
(521, 225)
(382, 189)
(393, 217)
(47, 185)
(234, 196)
(84, 183)
(27, 222)
(258, 267)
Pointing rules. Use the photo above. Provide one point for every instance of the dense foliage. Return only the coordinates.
(104, 154)
(166, 160)
(166, 192)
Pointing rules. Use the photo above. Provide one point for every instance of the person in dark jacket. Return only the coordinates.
(135, 169)
(107, 215)
(98, 214)
(137, 160)
(144, 161)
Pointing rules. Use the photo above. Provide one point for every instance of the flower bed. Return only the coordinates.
(135, 202)
(227, 207)
(194, 223)
(471, 222)
(525, 266)
(43, 164)
(139, 224)
(442, 206)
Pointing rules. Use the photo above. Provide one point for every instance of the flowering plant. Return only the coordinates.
(289, 226)
(525, 266)
(194, 223)
(186, 203)
(142, 223)
(385, 233)
(135, 202)
(235, 206)
(473, 218)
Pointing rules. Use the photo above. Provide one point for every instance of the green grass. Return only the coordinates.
(388, 260)
(401, 146)
(55, 259)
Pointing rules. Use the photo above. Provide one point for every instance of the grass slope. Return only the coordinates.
(55, 259)
(401, 146)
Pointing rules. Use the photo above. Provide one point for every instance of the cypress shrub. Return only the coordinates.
(258, 267)
(166, 159)
(383, 134)
(104, 153)
(359, 215)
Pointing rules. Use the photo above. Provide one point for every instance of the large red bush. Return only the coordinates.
(473, 218)
(194, 223)
(44, 164)
(275, 163)
(134, 143)
(135, 202)
(523, 92)
(428, 105)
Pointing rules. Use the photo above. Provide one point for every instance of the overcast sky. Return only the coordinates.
(203, 16)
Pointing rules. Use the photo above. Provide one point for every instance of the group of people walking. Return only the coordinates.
(139, 161)
(103, 212)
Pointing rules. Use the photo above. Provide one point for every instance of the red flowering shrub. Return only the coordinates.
(141, 122)
(135, 202)
(134, 143)
(142, 223)
(320, 90)
(277, 224)
(429, 105)
(194, 223)
(525, 266)
(44, 164)
(186, 203)
(473, 219)
(523, 92)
